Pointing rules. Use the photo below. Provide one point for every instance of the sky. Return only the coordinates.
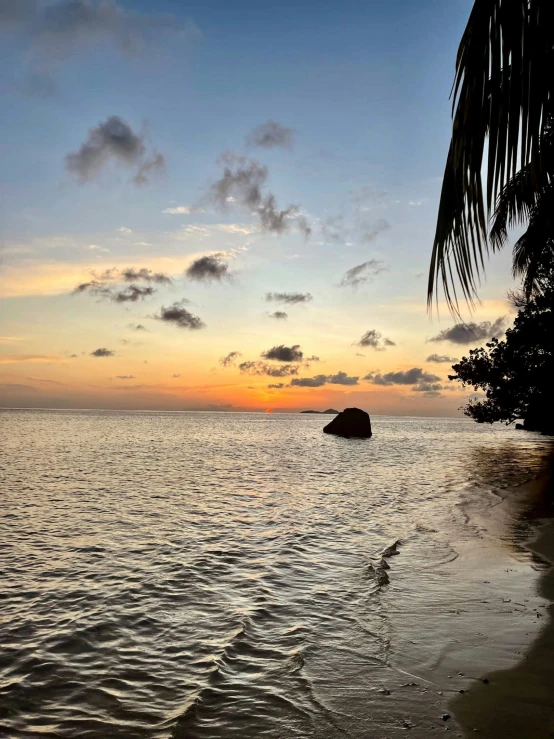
(229, 206)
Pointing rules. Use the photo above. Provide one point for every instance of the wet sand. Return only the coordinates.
(518, 703)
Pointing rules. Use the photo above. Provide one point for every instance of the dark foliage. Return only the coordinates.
(516, 374)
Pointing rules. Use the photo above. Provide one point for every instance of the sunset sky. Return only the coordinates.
(228, 205)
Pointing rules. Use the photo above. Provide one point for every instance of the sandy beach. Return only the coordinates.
(519, 702)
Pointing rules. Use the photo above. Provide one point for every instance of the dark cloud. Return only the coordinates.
(125, 377)
(288, 298)
(467, 333)
(130, 274)
(212, 268)
(242, 182)
(129, 294)
(132, 293)
(412, 376)
(362, 273)
(317, 381)
(114, 139)
(441, 359)
(341, 378)
(102, 352)
(277, 386)
(230, 359)
(102, 285)
(313, 358)
(261, 368)
(374, 340)
(279, 315)
(284, 353)
(180, 316)
(271, 134)
(136, 327)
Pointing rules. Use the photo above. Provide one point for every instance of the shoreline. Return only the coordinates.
(518, 703)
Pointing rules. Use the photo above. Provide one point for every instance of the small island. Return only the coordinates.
(329, 411)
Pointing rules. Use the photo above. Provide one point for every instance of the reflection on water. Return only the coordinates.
(207, 575)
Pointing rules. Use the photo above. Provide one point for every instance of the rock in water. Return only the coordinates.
(352, 422)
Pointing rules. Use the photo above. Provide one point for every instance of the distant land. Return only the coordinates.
(329, 411)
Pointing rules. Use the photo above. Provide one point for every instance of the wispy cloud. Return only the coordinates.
(270, 135)
(63, 29)
(114, 140)
(373, 339)
(21, 358)
(242, 183)
(262, 368)
(288, 298)
(229, 360)
(178, 210)
(102, 352)
(279, 315)
(362, 273)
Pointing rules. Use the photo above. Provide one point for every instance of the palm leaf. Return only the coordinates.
(503, 95)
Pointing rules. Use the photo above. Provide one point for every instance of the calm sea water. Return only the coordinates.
(207, 575)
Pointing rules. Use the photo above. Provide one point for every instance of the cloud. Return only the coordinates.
(101, 287)
(341, 378)
(230, 359)
(178, 210)
(136, 327)
(125, 377)
(114, 139)
(211, 268)
(124, 230)
(413, 376)
(19, 358)
(271, 134)
(288, 298)
(176, 375)
(428, 388)
(180, 316)
(154, 163)
(277, 386)
(61, 30)
(102, 352)
(467, 333)
(129, 294)
(130, 274)
(242, 182)
(441, 359)
(374, 340)
(261, 368)
(279, 315)
(358, 354)
(284, 353)
(362, 273)
(374, 229)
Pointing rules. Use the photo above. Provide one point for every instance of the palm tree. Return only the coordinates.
(503, 96)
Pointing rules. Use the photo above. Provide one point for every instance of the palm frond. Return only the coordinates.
(503, 93)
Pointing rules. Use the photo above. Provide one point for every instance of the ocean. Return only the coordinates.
(210, 574)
